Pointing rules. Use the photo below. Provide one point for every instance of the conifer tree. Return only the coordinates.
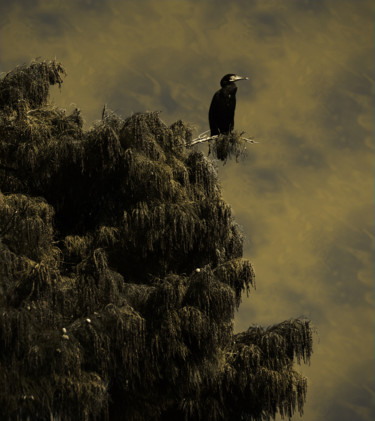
(121, 269)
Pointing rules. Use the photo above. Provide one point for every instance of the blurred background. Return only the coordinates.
(303, 196)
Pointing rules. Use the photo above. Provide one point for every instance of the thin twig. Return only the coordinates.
(248, 140)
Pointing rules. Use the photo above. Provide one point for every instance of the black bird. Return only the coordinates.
(223, 104)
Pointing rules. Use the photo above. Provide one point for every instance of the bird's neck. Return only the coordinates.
(231, 88)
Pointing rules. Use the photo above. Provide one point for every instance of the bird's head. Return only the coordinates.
(231, 78)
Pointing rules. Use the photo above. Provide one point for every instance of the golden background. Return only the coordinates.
(303, 196)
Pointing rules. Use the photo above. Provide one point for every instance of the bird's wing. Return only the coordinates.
(213, 112)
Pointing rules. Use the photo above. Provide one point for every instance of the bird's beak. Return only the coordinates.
(236, 78)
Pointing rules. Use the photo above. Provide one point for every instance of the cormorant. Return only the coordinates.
(223, 104)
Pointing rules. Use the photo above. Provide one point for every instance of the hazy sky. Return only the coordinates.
(304, 195)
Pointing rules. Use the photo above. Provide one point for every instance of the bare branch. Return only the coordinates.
(203, 137)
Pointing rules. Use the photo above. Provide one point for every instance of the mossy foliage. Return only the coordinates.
(121, 268)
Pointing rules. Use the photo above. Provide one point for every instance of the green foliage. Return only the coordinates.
(121, 268)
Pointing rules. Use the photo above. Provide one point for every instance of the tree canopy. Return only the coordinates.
(121, 268)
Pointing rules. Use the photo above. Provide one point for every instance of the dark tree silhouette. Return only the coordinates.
(121, 268)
